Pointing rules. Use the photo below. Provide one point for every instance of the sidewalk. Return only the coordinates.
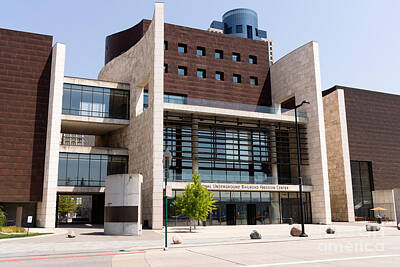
(90, 240)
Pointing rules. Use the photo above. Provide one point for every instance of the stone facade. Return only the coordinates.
(142, 67)
(46, 209)
(298, 74)
(340, 184)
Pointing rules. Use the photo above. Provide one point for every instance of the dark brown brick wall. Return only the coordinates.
(25, 64)
(373, 125)
(207, 88)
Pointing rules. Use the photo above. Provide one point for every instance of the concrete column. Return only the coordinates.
(46, 209)
(18, 217)
(123, 204)
(274, 166)
(195, 145)
(275, 210)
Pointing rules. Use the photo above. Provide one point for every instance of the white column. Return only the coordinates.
(46, 209)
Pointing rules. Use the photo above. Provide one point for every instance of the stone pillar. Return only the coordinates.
(18, 217)
(337, 146)
(274, 166)
(298, 74)
(275, 210)
(46, 209)
(195, 145)
(122, 211)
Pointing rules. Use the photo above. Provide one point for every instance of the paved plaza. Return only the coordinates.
(208, 246)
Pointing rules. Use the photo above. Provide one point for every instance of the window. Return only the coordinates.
(362, 180)
(237, 78)
(235, 57)
(182, 70)
(270, 53)
(270, 43)
(89, 169)
(256, 32)
(239, 28)
(270, 58)
(252, 59)
(176, 99)
(165, 45)
(182, 48)
(145, 99)
(219, 54)
(201, 51)
(219, 75)
(201, 73)
(253, 80)
(165, 68)
(95, 101)
(228, 30)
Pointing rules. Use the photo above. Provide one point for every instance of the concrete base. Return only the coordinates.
(122, 212)
(122, 228)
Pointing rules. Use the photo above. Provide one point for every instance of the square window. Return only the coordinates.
(239, 28)
(219, 54)
(201, 51)
(237, 78)
(165, 68)
(201, 73)
(219, 76)
(182, 48)
(165, 45)
(182, 70)
(236, 57)
(252, 59)
(253, 80)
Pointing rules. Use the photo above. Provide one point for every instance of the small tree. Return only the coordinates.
(3, 218)
(66, 204)
(196, 202)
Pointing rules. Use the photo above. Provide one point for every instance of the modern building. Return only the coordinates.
(214, 98)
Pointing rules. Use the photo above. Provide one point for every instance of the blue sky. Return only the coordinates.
(359, 39)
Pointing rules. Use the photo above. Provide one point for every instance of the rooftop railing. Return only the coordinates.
(230, 105)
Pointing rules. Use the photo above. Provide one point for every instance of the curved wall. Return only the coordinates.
(241, 22)
(120, 42)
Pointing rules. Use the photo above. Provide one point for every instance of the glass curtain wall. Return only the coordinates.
(230, 151)
(95, 101)
(236, 208)
(89, 169)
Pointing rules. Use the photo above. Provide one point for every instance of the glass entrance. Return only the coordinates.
(251, 214)
(230, 214)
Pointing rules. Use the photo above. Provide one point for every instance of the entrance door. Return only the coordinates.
(230, 214)
(251, 214)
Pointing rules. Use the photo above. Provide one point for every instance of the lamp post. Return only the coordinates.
(167, 164)
(303, 234)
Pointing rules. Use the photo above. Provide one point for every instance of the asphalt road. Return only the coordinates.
(375, 250)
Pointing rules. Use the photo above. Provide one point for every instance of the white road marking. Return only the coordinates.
(323, 260)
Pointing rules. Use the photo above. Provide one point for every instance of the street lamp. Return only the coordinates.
(303, 234)
(167, 164)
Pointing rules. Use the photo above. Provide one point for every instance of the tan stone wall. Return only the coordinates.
(140, 66)
(340, 185)
(298, 74)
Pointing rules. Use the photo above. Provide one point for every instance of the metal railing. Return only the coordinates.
(236, 106)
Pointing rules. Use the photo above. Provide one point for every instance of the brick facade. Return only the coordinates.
(25, 64)
(373, 124)
(207, 88)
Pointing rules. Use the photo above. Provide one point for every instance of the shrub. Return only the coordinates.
(12, 229)
(3, 218)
